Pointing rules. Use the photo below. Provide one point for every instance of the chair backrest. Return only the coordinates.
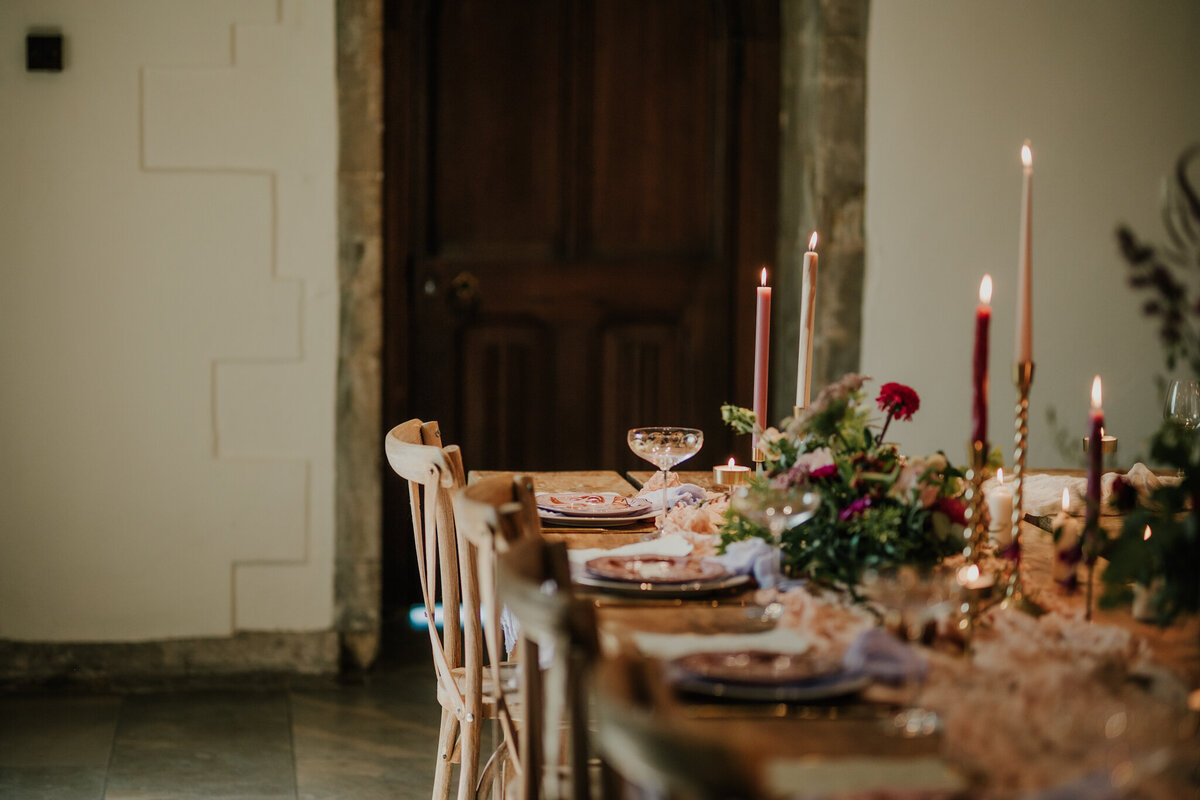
(434, 474)
(650, 746)
(533, 581)
(489, 519)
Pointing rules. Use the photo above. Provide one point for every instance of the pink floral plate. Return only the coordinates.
(592, 504)
(759, 667)
(655, 569)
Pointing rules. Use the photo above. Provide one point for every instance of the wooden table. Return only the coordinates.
(763, 732)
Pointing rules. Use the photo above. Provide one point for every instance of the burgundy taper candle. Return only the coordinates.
(1095, 457)
(983, 321)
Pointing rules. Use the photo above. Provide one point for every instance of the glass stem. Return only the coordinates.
(664, 516)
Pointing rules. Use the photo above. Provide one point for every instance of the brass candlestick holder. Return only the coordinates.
(977, 514)
(1014, 593)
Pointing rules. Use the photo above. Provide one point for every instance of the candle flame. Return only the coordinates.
(731, 462)
(968, 574)
(1066, 501)
(1026, 154)
(1096, 392)
(1000, 475)
(1101, 431)
(812, 243)
(1147, 534)
(985, 290)
(764, 276)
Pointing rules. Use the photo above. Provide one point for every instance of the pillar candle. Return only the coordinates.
(808, 308)
(1000, 509)
(983, 319)
(1095, 457)
(1024, 349)
(1066, 546)
(762, 348)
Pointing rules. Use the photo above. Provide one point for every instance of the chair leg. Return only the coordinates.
(446, 740)
(468, 740)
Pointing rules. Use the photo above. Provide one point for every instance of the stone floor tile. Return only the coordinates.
(49, 731)
(52, 782)
(203, 744)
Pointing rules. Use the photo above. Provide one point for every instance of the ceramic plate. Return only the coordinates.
(758, 667)
(592, 504)
(837, 684)
(571, 521)
(661, 590)
(655, 569)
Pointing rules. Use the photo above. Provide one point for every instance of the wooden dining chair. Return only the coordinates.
(550, 755)
(484, 516)
(641, 734)
(448, 574)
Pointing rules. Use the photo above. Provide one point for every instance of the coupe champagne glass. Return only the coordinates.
(664, 448)
(1182, 407)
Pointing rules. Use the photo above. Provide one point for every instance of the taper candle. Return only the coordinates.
(1024, 350)
(762, 348)
(808, 309)
(1095, 460)
(983, 319)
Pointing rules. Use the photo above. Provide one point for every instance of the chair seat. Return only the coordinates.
(508, 675)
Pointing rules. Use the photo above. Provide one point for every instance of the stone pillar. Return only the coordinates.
(357, 576)
(822, 175)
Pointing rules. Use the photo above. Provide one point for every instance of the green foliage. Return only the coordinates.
(1164, 274)
(878, 509)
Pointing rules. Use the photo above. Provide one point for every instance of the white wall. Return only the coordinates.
(168, 320)
(1109, 93)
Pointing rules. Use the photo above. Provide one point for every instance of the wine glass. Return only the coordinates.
(1182, 407)
(776, 508)
(664, 448)
(911, 598)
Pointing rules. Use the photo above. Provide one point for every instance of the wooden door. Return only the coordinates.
(579, 194)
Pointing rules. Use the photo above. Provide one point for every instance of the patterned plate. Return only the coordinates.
(655, 569)
(758, 667)
(592, 504)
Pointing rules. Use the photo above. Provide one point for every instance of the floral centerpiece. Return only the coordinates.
(1168, 274)
(878, 508)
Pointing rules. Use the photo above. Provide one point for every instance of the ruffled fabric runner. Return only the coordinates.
(1043, 493)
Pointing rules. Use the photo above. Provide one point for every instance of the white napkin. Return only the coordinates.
(669, 545)
(824, 777)
(675, 645)
(1043, 493)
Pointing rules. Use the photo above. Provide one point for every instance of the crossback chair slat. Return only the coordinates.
(447, 573)
(533, 580)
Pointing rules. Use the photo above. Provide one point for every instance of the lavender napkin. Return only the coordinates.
(687, 493)
(755, 557)
(884, 657)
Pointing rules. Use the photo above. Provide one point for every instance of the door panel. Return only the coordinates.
(579, 196)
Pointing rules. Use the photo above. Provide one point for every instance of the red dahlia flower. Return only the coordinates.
(898, 401)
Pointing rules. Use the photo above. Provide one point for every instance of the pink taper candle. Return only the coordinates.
(1095, 456)
(983, 320)
(762, 350)
(1024, 350)
(808, 308)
